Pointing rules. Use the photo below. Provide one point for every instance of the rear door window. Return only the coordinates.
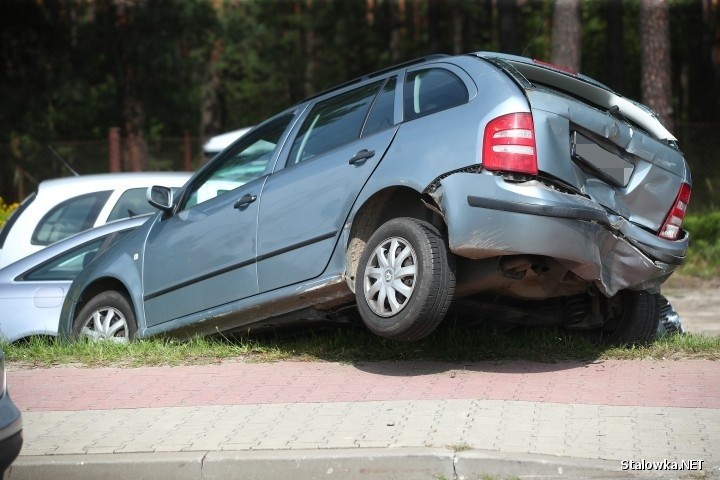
(432, 90)
(333, 123)
(382, 113)
(70, 217)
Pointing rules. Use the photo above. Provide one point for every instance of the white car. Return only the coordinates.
(218, 143)
(66, 206)
(32, 289)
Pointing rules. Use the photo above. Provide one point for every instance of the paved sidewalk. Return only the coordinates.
(426, 420)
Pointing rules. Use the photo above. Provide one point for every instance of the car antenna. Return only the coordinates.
(62, 160)
(542, 24)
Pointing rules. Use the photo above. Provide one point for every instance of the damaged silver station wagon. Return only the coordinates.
(487, 180)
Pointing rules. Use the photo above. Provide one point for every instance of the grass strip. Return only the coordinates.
(450, 344)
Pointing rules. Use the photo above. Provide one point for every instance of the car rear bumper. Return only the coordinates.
(489, 217)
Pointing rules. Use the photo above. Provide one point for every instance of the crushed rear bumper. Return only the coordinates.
(489, 217)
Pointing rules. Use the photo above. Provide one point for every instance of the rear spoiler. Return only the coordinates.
(583, 87)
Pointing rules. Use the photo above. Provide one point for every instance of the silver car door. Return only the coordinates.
(204, 255)
(304, 205)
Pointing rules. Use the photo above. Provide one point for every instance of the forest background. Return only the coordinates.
(163, 76)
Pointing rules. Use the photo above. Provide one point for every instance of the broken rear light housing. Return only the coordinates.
(553, 66)
(509, 144)
(671, 228)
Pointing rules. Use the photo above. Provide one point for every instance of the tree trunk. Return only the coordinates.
(488, 32)
(433, 30)
(457, 29)
(710, 17)
(136, 151)
(655, 80)
(567, 35)
(509, 27)
(309, 39)
(615, 46)
(370, 13)
(394, 40)
(708, 66)
(211, 107)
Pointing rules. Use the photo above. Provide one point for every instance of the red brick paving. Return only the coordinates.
(688, 383)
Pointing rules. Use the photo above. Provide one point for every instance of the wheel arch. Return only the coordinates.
(383, 205)
(103, 285)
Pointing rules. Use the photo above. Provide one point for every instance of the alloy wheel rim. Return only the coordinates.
(106, 323)
(390, 277)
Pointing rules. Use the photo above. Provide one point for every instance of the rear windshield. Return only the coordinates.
(70, 217)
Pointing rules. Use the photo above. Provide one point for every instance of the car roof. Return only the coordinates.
(378, 73)
(112, 180)
(16, 268)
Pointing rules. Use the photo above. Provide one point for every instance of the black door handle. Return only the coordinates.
(244, 201)
(361, 156)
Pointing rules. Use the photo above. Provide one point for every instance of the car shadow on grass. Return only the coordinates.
(460, 340)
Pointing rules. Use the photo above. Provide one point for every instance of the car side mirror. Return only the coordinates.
(160, 198)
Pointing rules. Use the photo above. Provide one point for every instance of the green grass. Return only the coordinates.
(703, 256)
(46, 351)
(703, 259)
(355, 345)
(459, 447)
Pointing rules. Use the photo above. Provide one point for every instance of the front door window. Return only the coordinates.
(245, 162)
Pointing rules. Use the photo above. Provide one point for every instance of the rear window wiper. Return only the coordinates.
(615, 112)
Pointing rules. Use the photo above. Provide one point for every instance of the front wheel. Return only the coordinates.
(107, 316)
(405, 281)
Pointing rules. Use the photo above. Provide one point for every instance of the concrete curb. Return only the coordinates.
(180, 466)
(365, 463)
(476, 464)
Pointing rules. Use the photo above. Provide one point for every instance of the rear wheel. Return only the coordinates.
(107, 316)
(670, 323)
(405, 280)
(632, 318)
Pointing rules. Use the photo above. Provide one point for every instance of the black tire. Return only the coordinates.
(418, 313)
(632, 318)
(91, 324)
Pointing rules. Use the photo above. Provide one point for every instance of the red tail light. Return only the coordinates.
(671, 227)
(509, 144)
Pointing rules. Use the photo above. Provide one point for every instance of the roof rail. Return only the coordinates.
(377, 73)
